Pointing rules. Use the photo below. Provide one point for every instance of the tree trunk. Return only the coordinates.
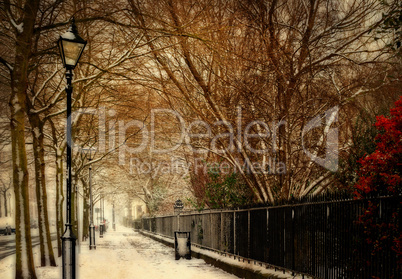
(45, 242)
(19, 83)
(59, 151)
(85, 208)
(24, 258)
(5, 204)
(59, 199)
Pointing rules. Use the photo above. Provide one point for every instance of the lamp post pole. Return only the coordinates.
(103, 214)
(68, 238)
(97, 217)
(71, 46)
(92, 244)
(101, 218)
(178, 207)
(114, 221)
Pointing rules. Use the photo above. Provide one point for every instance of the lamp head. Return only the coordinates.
(71, 46)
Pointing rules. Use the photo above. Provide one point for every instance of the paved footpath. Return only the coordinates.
(124, 254)
(127, 254)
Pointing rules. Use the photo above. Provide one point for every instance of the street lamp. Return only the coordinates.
(101, 218)
(114, 221)
(71, 46)
(97, 216)
(103, 215)
(178, 207)
(92, 244)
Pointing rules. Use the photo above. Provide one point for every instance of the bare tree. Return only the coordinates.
(4, 189)
(21, 19)
(282, 64)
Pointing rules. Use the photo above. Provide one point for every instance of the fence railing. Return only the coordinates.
(321, 239)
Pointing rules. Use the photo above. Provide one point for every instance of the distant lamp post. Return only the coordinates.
(71, 46)
(178, 207)
(9, 202)
(97, 216)
(103, 215)
(101, 218)
(92, 244)
(114, 220)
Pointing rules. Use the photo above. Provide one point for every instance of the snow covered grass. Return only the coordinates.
(7, 265)
(7, 268)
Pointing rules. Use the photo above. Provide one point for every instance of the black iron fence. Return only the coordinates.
(322, 239)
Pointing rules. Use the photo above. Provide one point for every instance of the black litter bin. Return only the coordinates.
(182, 245)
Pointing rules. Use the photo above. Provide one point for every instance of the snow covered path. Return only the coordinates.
(126, 254)
(129, 255)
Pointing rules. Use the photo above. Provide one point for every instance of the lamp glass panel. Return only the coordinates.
(72, 52)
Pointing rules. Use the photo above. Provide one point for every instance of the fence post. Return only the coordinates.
(266, 257)
(234, 232)
(210, 230)
(222, 240)
(314, 228)
(248, 234)
(293, 238)
(328, 232)
(284, 238)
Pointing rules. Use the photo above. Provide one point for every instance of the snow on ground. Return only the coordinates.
(125, 254)
(232, 261)
(6, 221)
